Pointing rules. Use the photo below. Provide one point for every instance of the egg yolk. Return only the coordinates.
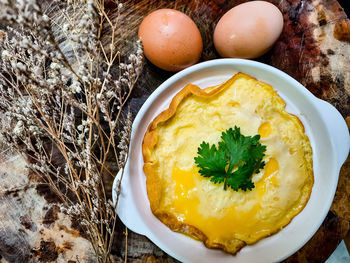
(239, 219)
(185, 200)
(265, 129)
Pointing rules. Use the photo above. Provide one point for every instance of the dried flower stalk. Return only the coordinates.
(64, 96)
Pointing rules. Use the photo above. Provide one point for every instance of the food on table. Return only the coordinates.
(244, 211)
(248, 30)
(171, 40)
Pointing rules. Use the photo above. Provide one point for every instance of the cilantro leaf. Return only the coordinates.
(211, 162)
(234, 161)
(235, 146)
(241, 178)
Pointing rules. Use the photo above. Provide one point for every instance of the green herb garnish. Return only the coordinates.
(234, 161)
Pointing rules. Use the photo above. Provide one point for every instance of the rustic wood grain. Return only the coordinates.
(32, 227)
(314, 48)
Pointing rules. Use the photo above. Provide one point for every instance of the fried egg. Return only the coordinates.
(190, 204)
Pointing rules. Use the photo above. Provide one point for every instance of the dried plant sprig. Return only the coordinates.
(62, 98)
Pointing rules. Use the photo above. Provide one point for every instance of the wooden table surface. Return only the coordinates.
(314, 48)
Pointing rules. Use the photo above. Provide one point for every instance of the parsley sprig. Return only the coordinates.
(234, 161)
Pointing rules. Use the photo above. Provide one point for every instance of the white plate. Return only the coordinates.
(329, 139)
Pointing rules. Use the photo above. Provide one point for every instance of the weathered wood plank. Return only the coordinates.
(314, 48)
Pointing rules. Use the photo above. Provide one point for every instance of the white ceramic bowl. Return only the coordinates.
(329, 139)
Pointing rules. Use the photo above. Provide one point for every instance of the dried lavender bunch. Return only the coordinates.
(63, 95)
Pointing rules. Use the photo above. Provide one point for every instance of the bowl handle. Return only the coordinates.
(126, 209)
(338, 130)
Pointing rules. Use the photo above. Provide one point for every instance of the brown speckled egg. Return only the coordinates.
(248, 30)
(170, 39)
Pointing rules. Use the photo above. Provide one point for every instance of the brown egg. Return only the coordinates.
(170, 39)
(248, 30)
